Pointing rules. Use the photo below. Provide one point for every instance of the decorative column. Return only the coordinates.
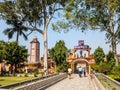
(73, 52)
(72, 67)
(89, 69)
(88, 52)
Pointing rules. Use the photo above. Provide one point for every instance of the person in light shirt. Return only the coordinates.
(69, 73)
(80, 71)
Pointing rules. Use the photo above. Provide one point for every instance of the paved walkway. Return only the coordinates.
(75, 83)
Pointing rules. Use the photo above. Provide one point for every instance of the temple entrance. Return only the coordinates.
(77, 63)
(80, 56)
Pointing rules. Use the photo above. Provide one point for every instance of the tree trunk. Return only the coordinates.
(113, 40)
(17, 37)
(45, 51)
(113, 43)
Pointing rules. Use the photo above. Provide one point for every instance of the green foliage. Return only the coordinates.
(102, 16)
(12, 53)
(104, 68)
(110, 60)
(95, 67)
(9, 13)
(116, 70)
(107, 67)
(99, 55)
(75, 16)
(15, 54)
(16, 28)
(2, 50)
(42, 73)
(58, 53)
(94, 15)
(116, 77)
(33, 12)
(110, 56)
(6, 80)
(63, 67)
(59, 25)
(33, 15)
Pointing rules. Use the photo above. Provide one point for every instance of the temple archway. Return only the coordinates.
(80, 62)
(77, 57)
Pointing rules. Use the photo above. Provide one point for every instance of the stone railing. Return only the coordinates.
(98, 83)
(109, 83)
(36, 84)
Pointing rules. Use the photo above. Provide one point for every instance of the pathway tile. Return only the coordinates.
(76, 83)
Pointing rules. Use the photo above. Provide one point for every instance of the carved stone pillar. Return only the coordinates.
(89, 72)
(73, 52)
(88, 52)
(72, 67)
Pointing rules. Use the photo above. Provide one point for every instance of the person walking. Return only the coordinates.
(69, 73)
(84, 72)
(80, 71)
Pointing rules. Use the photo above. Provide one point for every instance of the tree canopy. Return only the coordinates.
(59, 52)
(110, 59)
(30, 14)
(2, 50)
(15, 54)
(34, 15)
(103, 15)
(99, 55)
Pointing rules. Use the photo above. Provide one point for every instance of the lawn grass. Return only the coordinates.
(5, 80)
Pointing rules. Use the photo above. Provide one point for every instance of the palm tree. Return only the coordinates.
(16, 28)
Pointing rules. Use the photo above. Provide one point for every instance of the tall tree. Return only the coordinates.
(110, 60)
(103, 15)
(59, 52)
(15, 29)
(15, 54)
(2, 50)
(99, 55)
(36, 15)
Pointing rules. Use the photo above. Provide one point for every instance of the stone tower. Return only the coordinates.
(34, 51)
